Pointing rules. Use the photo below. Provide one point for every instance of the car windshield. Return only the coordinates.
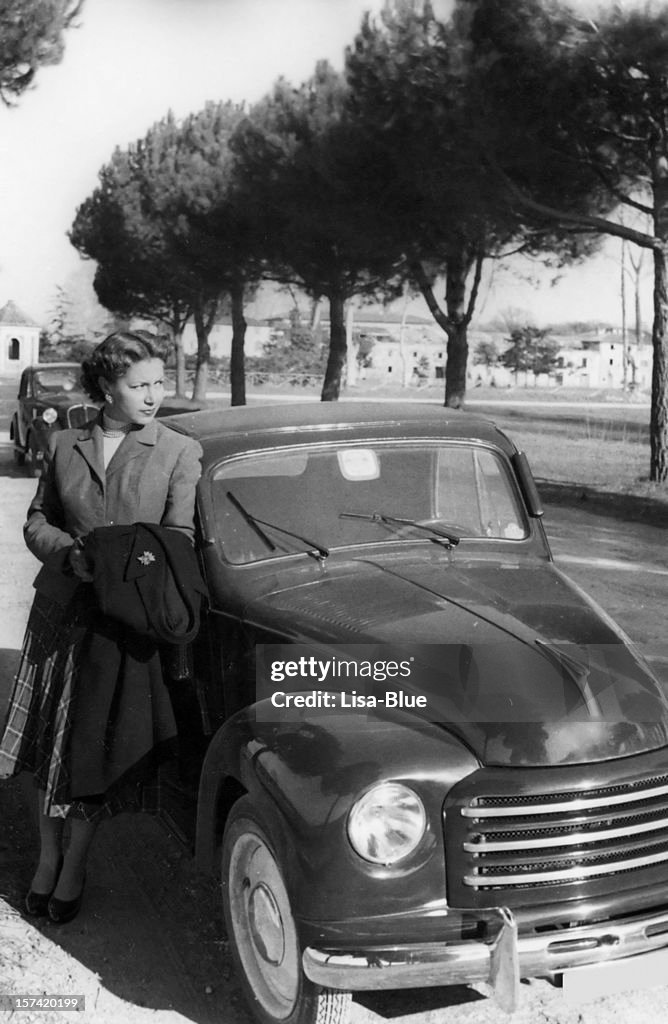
(337, 496)
(56, 379)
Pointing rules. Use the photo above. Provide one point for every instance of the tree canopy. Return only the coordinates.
(302, 165)
(137, 274)
(411, 95)
(31, 35)
(530, 350)
(154, 227)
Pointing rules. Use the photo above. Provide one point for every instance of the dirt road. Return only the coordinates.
(149, 943)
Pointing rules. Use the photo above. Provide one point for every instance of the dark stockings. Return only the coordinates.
(69, 882)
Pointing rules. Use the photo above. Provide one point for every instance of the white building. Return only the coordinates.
(400, 351)
(19, 340)
(258, 333)
(598, 362)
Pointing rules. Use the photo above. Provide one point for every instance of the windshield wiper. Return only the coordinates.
(438, 533)
(318, 551)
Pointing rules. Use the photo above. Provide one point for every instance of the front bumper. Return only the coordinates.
(499, 962)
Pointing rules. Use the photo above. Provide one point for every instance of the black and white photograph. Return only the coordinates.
(334, 511)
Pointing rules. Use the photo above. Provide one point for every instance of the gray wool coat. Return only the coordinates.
(151, 478)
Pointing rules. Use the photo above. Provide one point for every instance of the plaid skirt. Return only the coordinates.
(37, 729)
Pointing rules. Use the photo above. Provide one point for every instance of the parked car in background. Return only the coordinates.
(419, 754)
(50, 398)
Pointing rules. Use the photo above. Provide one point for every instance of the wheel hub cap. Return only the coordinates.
(265, 924)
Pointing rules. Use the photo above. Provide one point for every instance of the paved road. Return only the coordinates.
(150, 927)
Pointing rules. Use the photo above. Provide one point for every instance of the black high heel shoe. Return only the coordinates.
(62, 911)
(37, 903)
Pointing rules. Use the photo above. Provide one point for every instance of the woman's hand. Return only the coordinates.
(78, 562)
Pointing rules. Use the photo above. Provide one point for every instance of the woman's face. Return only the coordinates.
(136, 397)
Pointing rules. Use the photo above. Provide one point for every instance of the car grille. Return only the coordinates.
(521, 848)
(77, 415)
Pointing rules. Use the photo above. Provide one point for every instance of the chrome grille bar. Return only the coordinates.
(564, 874)
(566, 806)
(485, 845)
(533, 840)
(77, 415)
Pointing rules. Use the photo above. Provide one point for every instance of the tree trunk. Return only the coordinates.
(202, 329)
(237, 370)
(351, 350)
(455, 369)
(638, 312)
(180, 361)
(405, 368)
(658, 427)
(316, 308)
(625, 340)
(455, 322)
(331, 387)
(457, 272)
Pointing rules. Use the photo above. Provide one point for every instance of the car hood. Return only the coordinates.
(514, 659)
(63, 399)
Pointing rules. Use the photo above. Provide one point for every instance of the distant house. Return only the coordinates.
(597, 361)
(19, 339)
(400, 351)
(413, 350)
(258, 333)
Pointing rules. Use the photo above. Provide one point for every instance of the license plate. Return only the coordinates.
(581, 984)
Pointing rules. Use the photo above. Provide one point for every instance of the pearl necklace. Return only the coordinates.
(116, 431)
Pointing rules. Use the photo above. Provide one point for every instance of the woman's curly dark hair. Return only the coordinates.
(114, 356)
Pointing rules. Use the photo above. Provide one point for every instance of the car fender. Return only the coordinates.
(304, 773)
(15, 432)
(42, 432)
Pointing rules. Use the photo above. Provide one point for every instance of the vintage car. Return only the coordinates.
(428, 758)
(50, 398)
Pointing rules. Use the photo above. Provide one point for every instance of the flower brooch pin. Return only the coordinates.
(146, 557)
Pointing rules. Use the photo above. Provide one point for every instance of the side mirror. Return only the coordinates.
(527, 484)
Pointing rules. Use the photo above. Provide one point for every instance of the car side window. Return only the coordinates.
(475, 493)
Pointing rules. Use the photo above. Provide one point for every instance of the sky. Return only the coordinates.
(126, 65)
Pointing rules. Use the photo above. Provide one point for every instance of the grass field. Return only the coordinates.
(603, 452)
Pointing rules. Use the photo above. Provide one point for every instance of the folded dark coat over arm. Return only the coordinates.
(148, 591)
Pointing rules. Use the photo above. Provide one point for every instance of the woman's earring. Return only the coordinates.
(108, 398)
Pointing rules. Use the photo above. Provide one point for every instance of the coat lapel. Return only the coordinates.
(89, 444)
(137, 443)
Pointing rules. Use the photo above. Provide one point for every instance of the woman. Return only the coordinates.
(123, 467)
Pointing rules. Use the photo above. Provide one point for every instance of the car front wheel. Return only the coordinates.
(36, 458)
(19, 454)
(262, 930)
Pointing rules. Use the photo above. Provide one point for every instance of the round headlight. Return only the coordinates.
(49, 415)
(387, 823)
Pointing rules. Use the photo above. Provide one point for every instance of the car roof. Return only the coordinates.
(54, 366)
(226, 430)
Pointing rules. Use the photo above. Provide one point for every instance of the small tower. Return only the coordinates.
(19, 340)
